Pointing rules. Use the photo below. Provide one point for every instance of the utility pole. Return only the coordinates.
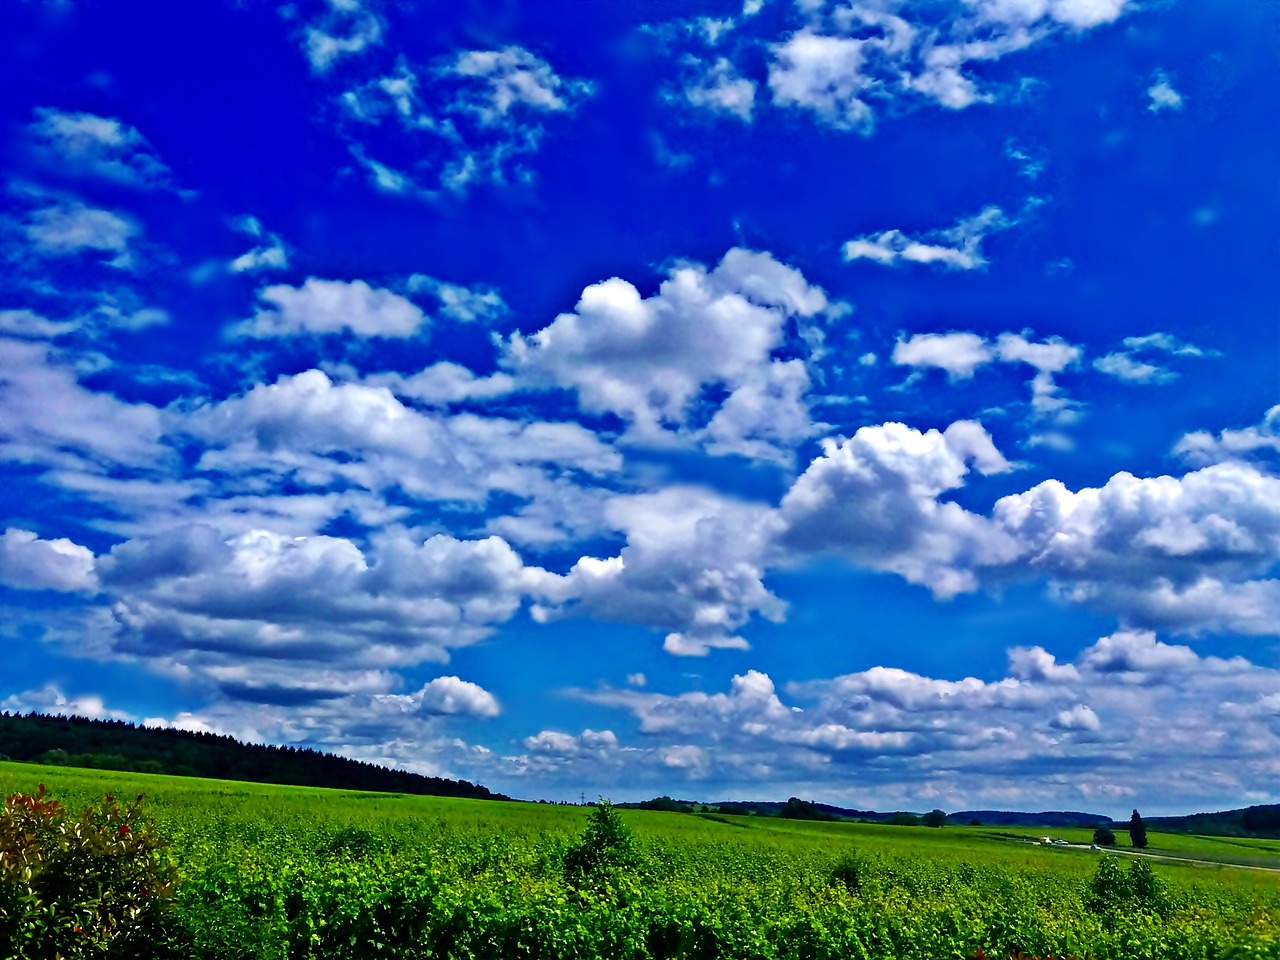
(582, 799)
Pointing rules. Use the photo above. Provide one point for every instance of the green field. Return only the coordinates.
(285, 872)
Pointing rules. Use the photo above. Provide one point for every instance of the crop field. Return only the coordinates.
(281, 872)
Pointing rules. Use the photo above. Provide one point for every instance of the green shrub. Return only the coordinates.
(605, 845)
(86, 886)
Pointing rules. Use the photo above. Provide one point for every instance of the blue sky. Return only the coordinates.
(871, 401)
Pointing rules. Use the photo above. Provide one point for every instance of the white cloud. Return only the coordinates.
(691, 567)
(1161, 94)
(270, 254)
(309, 429)
(87, 145)
(505, 81)
(66, 228)
(958, 353)
(874, 499)
(1202, 447)
(280, 618)
(47, 418)
(445, 696)
(1122, 366)
(1048, 357)
(848, 61)
(1180, 553)
(648, 360)
(51, 700)
(487, 117)
(478, 304)
(1128, 706)
(720, 88)
(30, 325)
(333, 306)
(29, 563)
(444, 383)
(961, 353)
(823, 74)
(346, 30)
(955, 248)
(1128, 365)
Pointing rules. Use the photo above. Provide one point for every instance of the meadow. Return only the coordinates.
(284, 872)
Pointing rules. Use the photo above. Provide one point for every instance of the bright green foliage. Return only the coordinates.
(606, 845)
(270, 873)
(79, 886)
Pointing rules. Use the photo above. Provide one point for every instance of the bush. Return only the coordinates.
(86, 886)
(1104, 837)
(605, 845)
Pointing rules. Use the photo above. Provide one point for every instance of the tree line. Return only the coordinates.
(119, 745)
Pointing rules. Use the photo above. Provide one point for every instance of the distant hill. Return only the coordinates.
(116, 745)
(1046, 818)
(1257, 821)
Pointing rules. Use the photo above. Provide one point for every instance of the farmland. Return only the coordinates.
(287, 872)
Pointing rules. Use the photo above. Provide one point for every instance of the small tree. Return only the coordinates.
(1137, 831)
(1104, 837)
(606, 844)
(934, 818)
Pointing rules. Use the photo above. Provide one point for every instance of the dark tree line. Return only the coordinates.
(117, 745)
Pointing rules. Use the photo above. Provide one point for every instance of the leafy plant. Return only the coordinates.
(79, 886)
(606, 844)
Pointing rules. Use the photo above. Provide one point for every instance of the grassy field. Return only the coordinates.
(282, 872)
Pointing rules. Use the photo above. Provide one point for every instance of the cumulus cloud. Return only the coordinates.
(824, 74)
(720, 88)
(958, 353)
(849, 62)
(692, 566)
(49, 699)
(1114, 718)
(1201, 447)
(445, 696)
(445, 383)
(1161, 94)
(648, 360)
(1175, 552)
(309, 429)
(331, 307)
(874, 499)
(261, 616)
(103, 148)
(30, 563)
(954, 248)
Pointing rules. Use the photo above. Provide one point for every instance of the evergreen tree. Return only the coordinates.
(1137, 830)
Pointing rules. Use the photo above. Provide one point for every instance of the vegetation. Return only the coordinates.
(1137, 831)
(92, 885)
(1104, 837)
(282, 872)
(116, 745)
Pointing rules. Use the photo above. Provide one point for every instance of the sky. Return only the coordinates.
(873, 401)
